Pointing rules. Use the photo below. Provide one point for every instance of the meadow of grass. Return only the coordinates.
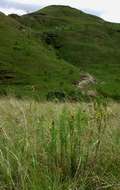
(53, 146)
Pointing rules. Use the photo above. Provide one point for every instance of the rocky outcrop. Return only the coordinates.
(85, 85)
(85, 81)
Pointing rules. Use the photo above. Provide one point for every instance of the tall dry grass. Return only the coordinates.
(52, 146)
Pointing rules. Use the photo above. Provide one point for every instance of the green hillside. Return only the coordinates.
(27, 68)
(47, 50)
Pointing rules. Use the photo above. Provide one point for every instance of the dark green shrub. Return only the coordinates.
(56, 95)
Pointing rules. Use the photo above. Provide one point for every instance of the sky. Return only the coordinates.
(107, 9)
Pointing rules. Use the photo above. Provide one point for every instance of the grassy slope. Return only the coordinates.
(25, 62)
(85, 41)
(79, 42)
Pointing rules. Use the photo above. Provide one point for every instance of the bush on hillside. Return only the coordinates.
(56, 95)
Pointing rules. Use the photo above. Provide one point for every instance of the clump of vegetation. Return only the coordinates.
(58, 146)
(56, 95)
